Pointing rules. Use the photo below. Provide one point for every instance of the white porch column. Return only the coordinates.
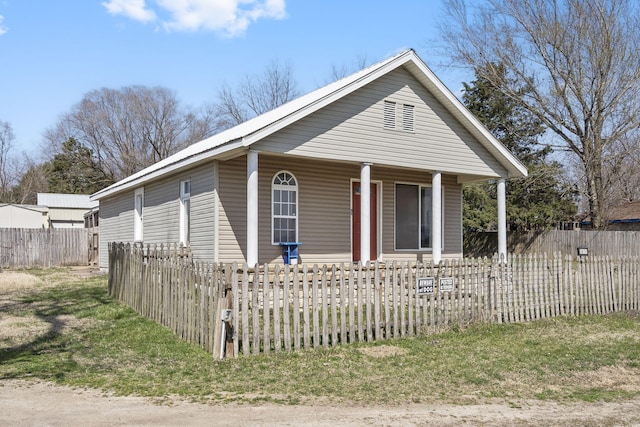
(252, 208)
(436, 219)
(502, 218)
(365, 212)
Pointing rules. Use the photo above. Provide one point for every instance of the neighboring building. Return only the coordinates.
(625, 217)
(368, 167)
(91, 218)
(23, 216)
(66, 210)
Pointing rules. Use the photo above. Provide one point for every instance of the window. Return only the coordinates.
(185, 212)
(413, 217)
(284, 208)
(138, 202)
(389, 115)
(407, 117)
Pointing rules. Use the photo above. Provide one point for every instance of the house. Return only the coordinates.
(23, 216)
(368, 167)
(66, 210)
(624, 217)
(91, 217)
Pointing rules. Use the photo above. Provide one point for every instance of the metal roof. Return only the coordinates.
(69, 201)
(240, 137)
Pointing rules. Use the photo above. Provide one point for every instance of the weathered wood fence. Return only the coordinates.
(283, 308)
(37, 247)
(616, 244)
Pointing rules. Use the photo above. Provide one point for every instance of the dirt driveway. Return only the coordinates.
(42, 404)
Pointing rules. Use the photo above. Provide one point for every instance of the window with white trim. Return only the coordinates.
(413, 217)
(284, 208)
(185, 212)
(138, 206)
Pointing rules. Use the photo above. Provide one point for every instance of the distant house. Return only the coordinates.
(66, 210)
(624, 217)
(369, 167)
(23, 216)
(91, 218)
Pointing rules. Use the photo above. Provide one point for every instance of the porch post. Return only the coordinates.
(365, 212)
(502, 218)
(436, 213)
(252, 208)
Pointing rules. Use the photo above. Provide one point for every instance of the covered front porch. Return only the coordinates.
(372, 212)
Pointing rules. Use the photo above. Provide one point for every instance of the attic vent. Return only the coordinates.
(389, 115)
(407, 117)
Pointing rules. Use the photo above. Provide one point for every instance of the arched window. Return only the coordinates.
(284, 208)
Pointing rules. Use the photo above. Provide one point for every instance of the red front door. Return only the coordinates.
(355, 224)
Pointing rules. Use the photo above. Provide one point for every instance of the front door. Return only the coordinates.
(355, 223)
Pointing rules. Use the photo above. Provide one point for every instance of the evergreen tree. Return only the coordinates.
(74, 171)
(536, 202)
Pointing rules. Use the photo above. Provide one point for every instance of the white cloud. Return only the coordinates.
(229, 17)
(3, 29)
(134, 9)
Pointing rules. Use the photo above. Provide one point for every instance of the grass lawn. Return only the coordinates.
(57, 327)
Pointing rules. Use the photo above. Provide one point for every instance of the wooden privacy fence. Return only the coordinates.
(616, 244)
(37, 247)
(283, 308)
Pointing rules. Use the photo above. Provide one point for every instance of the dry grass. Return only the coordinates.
(12, 281)
(22, 320)
(383, 351)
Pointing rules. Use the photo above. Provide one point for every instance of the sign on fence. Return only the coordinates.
(446, 284)
(426, 285)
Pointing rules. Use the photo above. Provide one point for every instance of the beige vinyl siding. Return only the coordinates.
(203, 215)
(452, 221)
(232, 228)
(161, 218)
(160, 212)
(324, 209)
(116, 223)
(352, 129)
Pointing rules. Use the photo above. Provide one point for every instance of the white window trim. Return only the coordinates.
(138, 215)
(184, 196)
(420, 187)
(287, 187)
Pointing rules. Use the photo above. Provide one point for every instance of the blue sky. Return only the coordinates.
(53, 52)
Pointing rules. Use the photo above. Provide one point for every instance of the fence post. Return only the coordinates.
(222, 339)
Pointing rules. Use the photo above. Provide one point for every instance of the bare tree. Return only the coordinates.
(341, 71)
(7, 172)
(33, 180)
(579, 60)
(256, 95)
(622, 171)
(130, 128)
